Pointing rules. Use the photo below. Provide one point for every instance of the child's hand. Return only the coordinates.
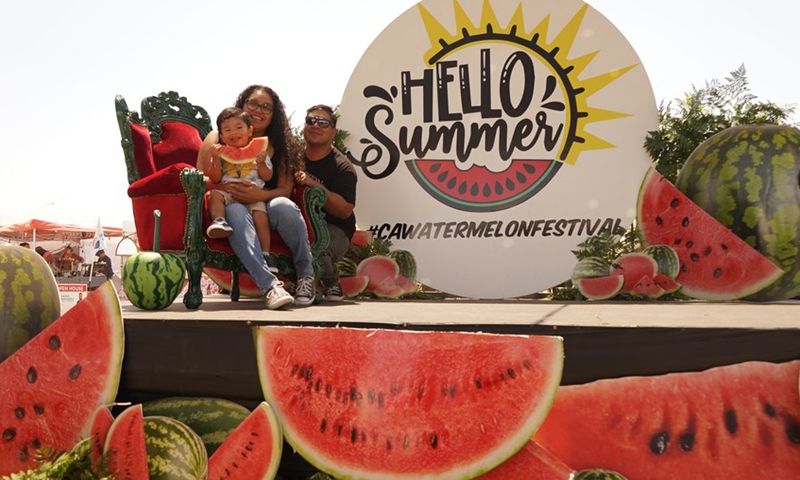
(216, 150)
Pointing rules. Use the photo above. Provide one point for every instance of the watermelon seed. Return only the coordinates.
(435, 167)
(294, 369)
(38, 408)
(318, 385)
(731, 424)
(769, 410)
(695, 257)
(353, 435)
(388, 444)
(442, 176)
(689, 244)
(309, 386)
(249, 447)
(75, 372)
(452, 391)
(19, 412)
(405, 442)
(687, 441)
(724, 246)
(684, 268)
(462, 189)
(380, 400)
(527, 364)
(434, 440)
(478, 382)
(793, 432)
(452, 183)
(227, 472)
(353, 393)
(474, 190)
(498, 188)
(512, 373)
(323, 425)
(23, 454)
(707, 251)
(529, 168)
(9, 434)
(54, 342)
(309, 372)
(659, 442)
(394, 389)
(685, 221)
(36, 443)
(328, 389)
(339, 431)
(674, 203)
(717, 273)
(521, 178)
(510, 185)
(371, 396)
(659, 221)
(32, 375)
(420, 391)
(677, 241)
(487, 191)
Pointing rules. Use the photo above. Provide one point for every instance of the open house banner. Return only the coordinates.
(493, 136)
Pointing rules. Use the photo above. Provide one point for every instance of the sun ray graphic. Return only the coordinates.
(554, 53)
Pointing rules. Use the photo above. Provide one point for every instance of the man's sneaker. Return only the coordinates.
(304, 291)
(277, 297)
(334, 293)
(270, 262)
(219, 228)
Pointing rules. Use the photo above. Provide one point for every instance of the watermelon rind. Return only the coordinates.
(101, 423)
(667, 259)
(386, 404)
(597, 474)
(29, 297)
(252, 451)
(590, 267)
(378, 268)
(56, 381)
(405, 262)
(173, 450)
(213, 419)
(739, 270)
(153, 280)
(353, 286)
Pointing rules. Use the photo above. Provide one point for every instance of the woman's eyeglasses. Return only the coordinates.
(252, 105)
(322, 122)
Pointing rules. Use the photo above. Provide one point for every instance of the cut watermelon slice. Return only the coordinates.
(241, 155)
(388, 404)
(738, 422)
(715, 263)
(252, 450)
(352, 286)
(51, 387)
(125, 446)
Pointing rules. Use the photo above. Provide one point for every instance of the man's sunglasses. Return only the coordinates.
(322, 122)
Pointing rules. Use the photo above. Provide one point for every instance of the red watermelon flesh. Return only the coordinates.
(245, 154)
(223, 278)
(388, 404)
(101, 423)
(51, 387)
(352, 286)
(378, 268)
(125, 446)
(533, 462)
(395, 287)
(715, 263)
(600, 288)
(632, 267)
(666, 283)
(252, 450)
(647, 287)
(735, 422)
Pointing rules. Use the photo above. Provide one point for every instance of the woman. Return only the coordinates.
(268, 118)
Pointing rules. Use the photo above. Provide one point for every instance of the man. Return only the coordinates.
(108, 269)
(328, 168)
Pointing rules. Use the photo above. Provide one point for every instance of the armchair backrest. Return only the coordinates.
(168, 131)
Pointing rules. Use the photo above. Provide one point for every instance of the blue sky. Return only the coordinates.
(63, 63)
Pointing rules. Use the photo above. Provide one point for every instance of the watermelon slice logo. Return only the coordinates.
(545, 116)
(478, 189)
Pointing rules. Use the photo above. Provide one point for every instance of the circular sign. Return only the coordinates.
(492, 137)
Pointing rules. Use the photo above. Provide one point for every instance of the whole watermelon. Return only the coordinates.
(748, 178)
(29, 298)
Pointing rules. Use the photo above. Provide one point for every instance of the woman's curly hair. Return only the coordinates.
(288, 155)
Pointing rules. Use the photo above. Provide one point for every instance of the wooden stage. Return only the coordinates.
(209, 351)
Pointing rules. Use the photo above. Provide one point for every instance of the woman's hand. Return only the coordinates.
(302, 178)
(246, 192)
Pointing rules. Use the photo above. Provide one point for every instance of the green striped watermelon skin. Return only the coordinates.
(173, 450)
(748, 178)
(29, 298)
(152, 280)
(213, 419)
(405, 260)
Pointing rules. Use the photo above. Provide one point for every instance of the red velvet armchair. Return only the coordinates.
(160, 147)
